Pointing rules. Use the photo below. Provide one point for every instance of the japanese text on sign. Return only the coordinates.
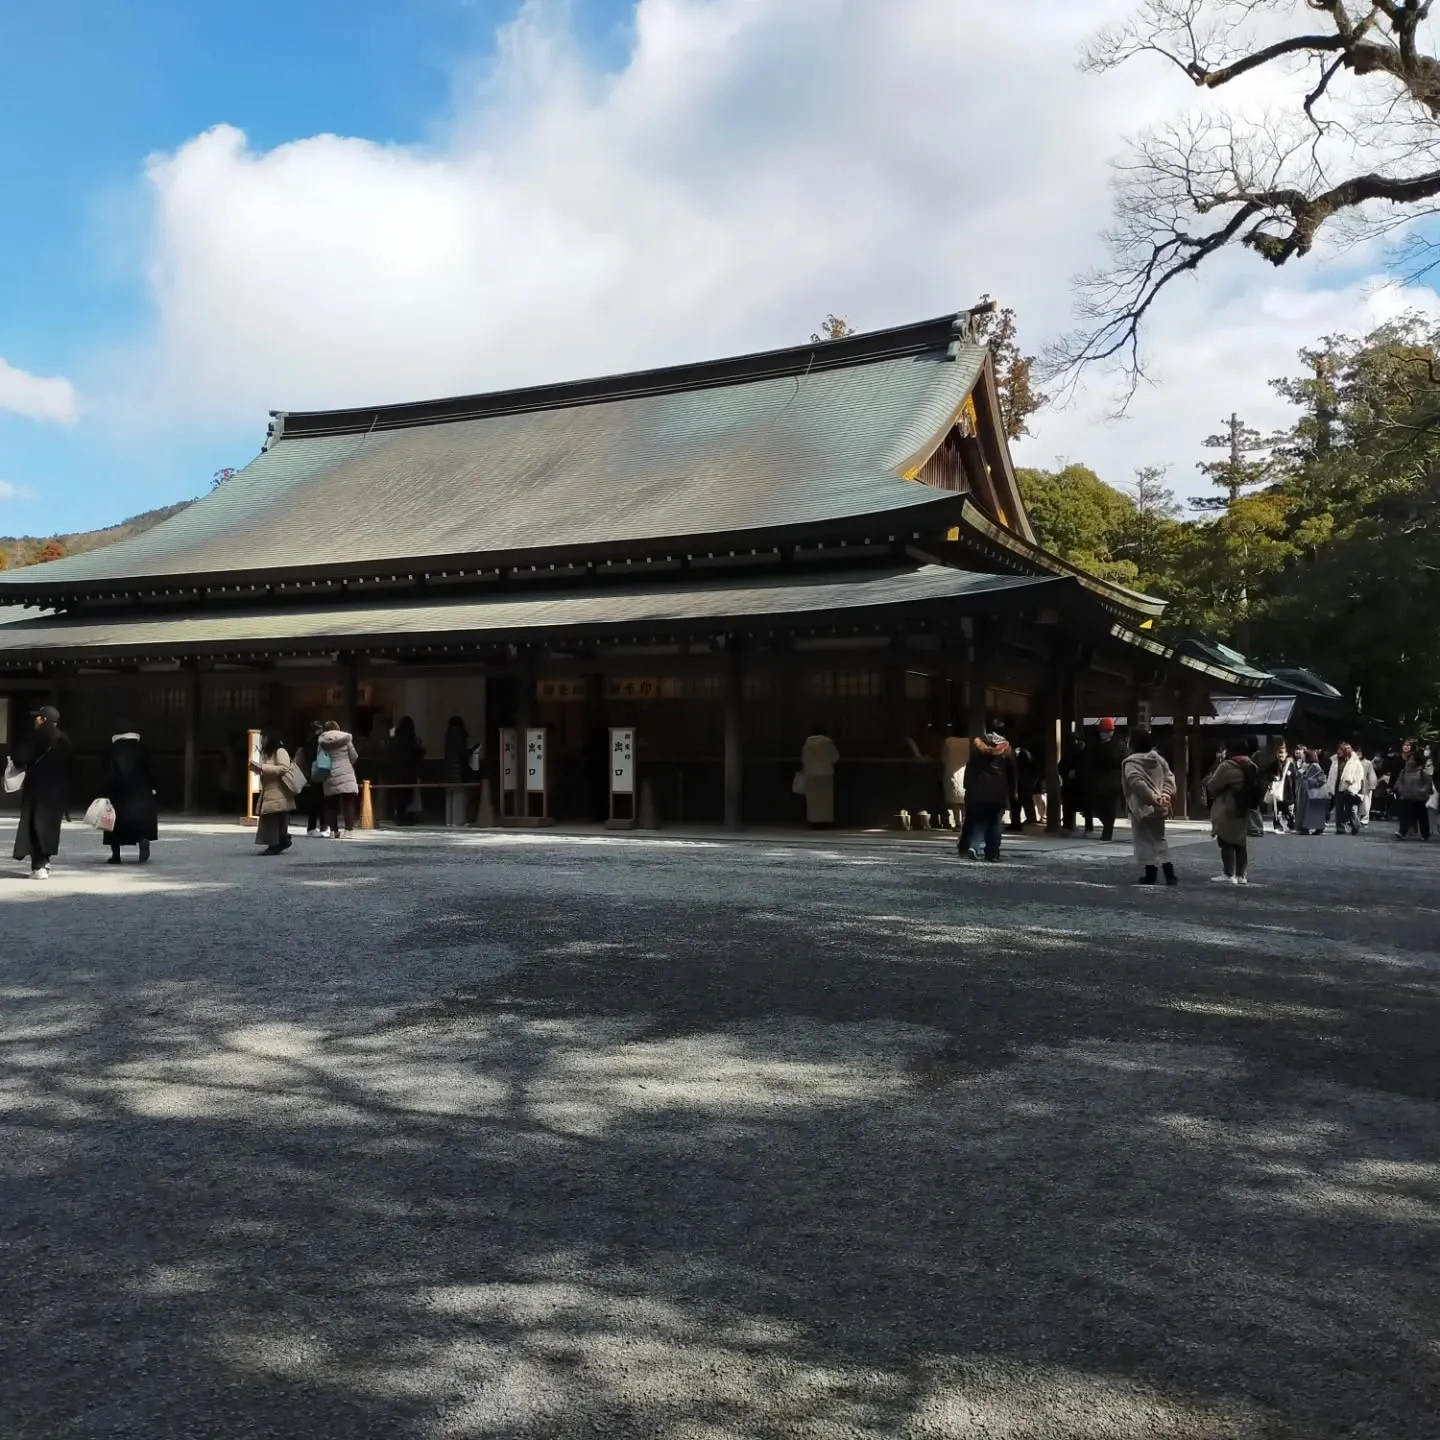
(561, 690)
(535, 761)
(622, 761)
(509, 763)
(631, 687)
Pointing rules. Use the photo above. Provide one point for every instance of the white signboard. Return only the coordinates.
(535, 761)
(622, 760)
(255, 754)
(509, 762)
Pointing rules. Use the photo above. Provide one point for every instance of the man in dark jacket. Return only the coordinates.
(989, 789)
(1104, 755)
(1028, 773)
(44, 756)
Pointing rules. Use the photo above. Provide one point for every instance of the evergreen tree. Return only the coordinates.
(1245, 465)
(1151, 529)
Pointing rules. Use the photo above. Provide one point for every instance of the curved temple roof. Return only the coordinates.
(763, 447)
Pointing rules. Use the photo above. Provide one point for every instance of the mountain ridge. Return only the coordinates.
(20, 550)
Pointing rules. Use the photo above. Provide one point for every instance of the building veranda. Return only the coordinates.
(722, 556)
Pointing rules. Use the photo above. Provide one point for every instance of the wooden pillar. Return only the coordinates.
(1198, 760)
(1052, 739)
(734, 758)
(1180, 736)
(524, 691)
(1139, 704)
(191, 784)
(350, 666)
(981, 658)
(895, 703)
(788, 676)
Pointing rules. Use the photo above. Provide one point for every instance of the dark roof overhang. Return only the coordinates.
(830, 603)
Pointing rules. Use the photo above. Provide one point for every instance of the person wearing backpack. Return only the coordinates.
(1234, 789)
(335, 768)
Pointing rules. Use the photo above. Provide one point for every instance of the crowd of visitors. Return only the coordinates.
(317, 778)
(1249, 785)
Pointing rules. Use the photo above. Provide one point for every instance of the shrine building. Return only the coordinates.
(722, 556)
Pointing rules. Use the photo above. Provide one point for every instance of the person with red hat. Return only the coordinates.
(1103, 785)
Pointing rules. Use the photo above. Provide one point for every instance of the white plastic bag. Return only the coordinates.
(101, 814)
(14, 778)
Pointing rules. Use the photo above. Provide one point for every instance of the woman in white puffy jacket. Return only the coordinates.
(1346, 783)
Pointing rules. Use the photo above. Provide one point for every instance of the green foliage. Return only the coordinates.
(1244, 464)
(1080, 518)
(1150, 532)
(1323, 546)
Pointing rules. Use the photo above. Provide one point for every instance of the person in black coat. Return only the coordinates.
(130, 788)
(44, 756)
(1105, 753)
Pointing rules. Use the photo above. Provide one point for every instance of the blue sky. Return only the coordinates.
(88, 90)
(216, 207)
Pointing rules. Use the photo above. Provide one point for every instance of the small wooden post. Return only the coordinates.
(485, 815)
(367, 807)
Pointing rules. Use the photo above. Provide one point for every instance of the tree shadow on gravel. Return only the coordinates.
(650, 1169)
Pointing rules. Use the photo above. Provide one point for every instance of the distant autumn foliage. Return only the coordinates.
(834, 327)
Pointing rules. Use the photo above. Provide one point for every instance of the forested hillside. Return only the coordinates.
(16, 550)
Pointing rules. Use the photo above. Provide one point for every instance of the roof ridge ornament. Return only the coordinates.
(967, 323)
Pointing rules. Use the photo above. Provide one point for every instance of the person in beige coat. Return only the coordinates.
(276, 802)
(818, 758)
(1149, 788)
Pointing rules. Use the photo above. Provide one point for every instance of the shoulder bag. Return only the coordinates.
(295, 779)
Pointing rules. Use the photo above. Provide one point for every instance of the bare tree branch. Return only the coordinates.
(1272, 186)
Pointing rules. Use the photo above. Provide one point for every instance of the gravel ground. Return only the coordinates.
(536, 1135)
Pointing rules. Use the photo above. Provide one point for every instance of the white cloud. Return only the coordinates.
(755, 164)
(13, 492)
(38, 397)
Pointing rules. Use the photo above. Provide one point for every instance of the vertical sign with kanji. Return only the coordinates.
(622, 775)
(622, 760)
(254, 754)
(509, 762)
(535, 761)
